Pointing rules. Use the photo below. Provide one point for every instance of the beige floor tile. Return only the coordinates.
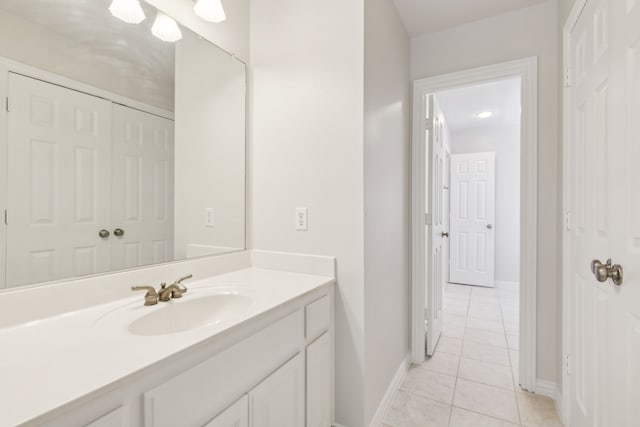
(429, 384)
(488, 325)
(485, 353)
(537, 411)
(486, 400)
(443, 363)
(449, 345)
(478, 313)
(513, 341)
(453, 319)
(453, 331)
(486, 373)
(514, 357)
(458, 310)
(485, 337)
(408, 410)
(511, 327)
(463, 418)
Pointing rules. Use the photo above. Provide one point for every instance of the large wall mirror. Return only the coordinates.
(122, 145)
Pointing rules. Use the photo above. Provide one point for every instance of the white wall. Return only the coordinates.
(307, 62)
(505, 142)
(527, 32)
(209, 149)
(231, 35)
(386, 198)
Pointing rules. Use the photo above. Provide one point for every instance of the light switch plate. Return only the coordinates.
(209, 220)
(301, 219)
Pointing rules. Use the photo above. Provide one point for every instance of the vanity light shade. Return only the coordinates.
(166, 29)
(210, 10)
(128, 11)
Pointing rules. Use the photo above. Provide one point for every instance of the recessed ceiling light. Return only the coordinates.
(484, 115)
(210, 10)
(166, 29)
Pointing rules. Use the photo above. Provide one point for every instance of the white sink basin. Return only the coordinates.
(186, 314)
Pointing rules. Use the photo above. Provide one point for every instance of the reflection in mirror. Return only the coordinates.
(122, 149)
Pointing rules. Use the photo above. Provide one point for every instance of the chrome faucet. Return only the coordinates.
(165, 293)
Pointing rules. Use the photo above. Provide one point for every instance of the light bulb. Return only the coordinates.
(128, 11)
(484, 115)
(210, 10)
(166, 29)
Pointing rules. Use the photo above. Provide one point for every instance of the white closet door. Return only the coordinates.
(472, 219)
(58, 179)
(143, 188)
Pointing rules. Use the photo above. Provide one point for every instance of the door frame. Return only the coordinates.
(572, 20)
(527, 70)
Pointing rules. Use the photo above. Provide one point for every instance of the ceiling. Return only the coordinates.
(129, 51)
(461, 106)
(428, 16)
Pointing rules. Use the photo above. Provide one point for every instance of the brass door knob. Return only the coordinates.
(118, 232)
(104, 233)
(603, 272)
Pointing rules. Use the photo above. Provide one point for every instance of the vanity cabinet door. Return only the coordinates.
(319, 383)
(237, 415)
(278, 401)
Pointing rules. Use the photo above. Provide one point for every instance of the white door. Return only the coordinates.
(472, 219)
(435, 278)
(446, 216)
(237, 415)
(142, 189)
(58, 182)
(604, 175)
(278, 401)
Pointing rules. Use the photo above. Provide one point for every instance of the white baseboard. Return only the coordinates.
(550, 389)
(387, 399)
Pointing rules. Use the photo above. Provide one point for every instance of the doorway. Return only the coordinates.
(465, 197)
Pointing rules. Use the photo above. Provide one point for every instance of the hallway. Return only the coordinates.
(471, 381)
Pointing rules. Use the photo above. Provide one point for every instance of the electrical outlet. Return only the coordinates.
(301, 219)
(208, 217)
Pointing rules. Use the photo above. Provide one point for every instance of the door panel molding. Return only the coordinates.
(527, 70)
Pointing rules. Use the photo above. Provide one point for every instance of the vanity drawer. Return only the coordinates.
(318, 318)
(194, 397)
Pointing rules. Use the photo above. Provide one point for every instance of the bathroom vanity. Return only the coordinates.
(248, 347)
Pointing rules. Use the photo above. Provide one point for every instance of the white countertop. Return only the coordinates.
(48, 363)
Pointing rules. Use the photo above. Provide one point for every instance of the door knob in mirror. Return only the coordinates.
(103, 234)
(602, 272)
(489, 226)
(119, 232)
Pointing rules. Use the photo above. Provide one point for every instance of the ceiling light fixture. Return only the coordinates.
(166, 29)
(484, 115)
(128, 11)
(210, 10)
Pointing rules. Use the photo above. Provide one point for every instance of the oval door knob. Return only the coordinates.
(489, 226)
(119, 232)
(103, 233)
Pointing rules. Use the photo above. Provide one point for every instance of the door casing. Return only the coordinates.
(527, 70)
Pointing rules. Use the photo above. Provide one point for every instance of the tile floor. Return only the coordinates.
(471, 380)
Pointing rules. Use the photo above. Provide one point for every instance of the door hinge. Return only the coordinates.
(567, 364)
(6, 217)
(7, 104)
(567, 220)
(568, 81)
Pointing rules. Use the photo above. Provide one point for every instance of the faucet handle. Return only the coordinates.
(151, 297)
(180, 280)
